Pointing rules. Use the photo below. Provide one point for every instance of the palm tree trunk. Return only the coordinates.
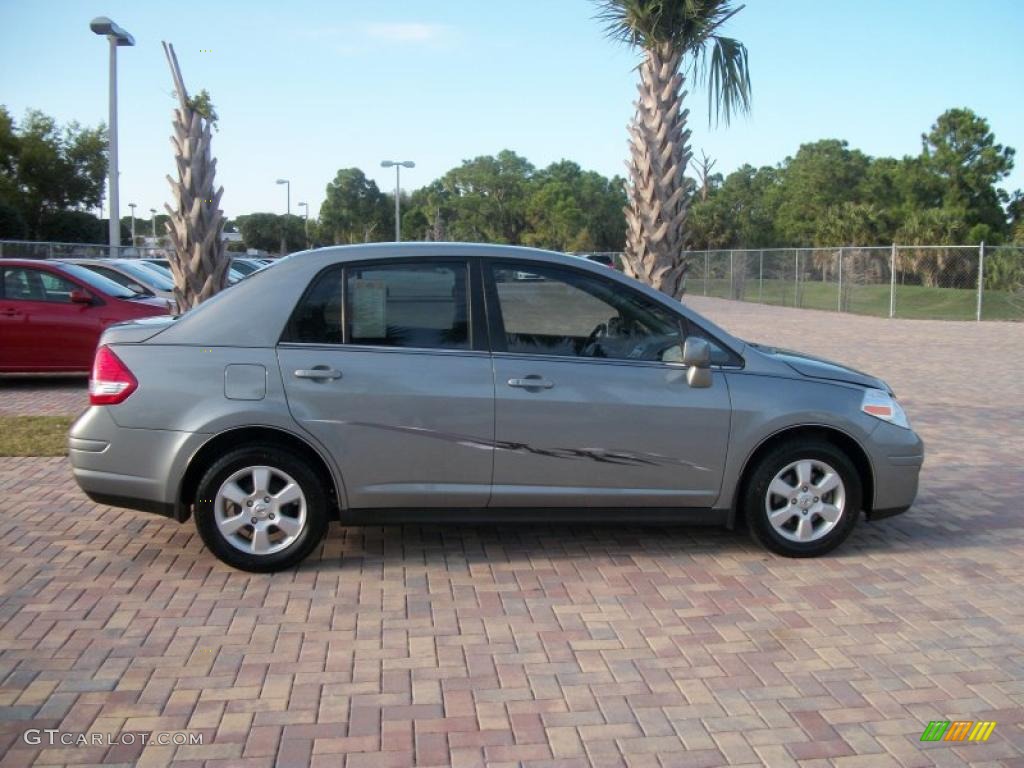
(658, 192)
(199, 262)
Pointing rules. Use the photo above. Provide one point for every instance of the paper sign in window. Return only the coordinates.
(369, 300)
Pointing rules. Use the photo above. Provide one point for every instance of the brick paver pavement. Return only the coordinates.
(43, 395)
(551, 645)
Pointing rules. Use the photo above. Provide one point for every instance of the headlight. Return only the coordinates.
(883, 406)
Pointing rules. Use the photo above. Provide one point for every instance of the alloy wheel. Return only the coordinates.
(260, 510)
(805, 500)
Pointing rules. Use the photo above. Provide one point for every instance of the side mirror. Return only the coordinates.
(81, 297)
(697, 355)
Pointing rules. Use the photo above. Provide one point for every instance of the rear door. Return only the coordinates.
(591, 410)
(386, 363)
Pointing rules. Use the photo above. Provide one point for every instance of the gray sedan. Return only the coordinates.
(444, 382)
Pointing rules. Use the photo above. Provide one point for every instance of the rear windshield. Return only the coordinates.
(99, 282)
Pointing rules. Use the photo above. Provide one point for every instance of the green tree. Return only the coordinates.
(570, 209)
(821, 176)
(354, 210)
(45, 168)
(487, 196)
(961, 151)
(851, 224)
(12, 226)
(739, 213)
(677, 38)
(264, 231)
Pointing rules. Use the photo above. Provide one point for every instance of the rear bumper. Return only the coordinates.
(133, 468)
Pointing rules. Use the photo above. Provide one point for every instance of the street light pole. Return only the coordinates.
(399, 165)
(288, 187)
(305, 223)
(116, 36)
(153, 211)
(132, 206)
(288, 209)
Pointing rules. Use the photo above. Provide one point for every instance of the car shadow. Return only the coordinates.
(44, 380)
(918, 530)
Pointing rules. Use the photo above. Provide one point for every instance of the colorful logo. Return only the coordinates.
(958, 730)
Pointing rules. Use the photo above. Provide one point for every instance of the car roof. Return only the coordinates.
(31, 262)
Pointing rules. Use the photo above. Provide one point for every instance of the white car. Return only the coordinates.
(131, 274)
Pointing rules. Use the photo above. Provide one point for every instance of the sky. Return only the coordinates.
(306, 88)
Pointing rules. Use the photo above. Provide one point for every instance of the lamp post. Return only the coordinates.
(288, 186)
(399, 165)
(132, 206)
(288, 209)
(153, 211)
(305, 223)
(116, 36)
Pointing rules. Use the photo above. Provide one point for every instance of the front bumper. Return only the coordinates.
(897, 458)
(133, 468)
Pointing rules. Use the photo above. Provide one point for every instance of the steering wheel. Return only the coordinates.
(600, 331)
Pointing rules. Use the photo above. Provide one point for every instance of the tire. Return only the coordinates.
(790, 535)
(270, 545)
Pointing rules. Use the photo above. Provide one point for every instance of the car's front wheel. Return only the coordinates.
(803, 498)
(260, 509)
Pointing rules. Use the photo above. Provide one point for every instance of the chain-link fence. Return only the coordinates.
(942, 282)
(28, 249)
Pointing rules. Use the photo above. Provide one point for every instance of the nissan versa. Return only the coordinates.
(443, 382)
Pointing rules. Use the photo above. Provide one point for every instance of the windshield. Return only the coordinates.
(148, 277)
(99, 282)
(244, 267)
(163, 267)
(154, 265)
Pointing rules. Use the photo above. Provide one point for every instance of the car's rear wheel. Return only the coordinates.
(260, 509)
(803, 499)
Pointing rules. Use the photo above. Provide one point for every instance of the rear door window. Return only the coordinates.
(422, 305)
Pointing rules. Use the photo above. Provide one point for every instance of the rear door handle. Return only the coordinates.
(319, 373)
(10, 312)
(531, 382)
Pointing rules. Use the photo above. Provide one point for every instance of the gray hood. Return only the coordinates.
(819, 368)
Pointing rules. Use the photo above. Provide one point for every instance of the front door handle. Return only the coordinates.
(531, 382)
(319, 373)
(10, 313)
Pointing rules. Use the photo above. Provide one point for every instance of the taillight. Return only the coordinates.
(111, 381)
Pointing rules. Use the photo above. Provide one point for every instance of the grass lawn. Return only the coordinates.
(912, 301)
(34, 435)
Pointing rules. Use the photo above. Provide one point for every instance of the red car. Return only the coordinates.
(52, 314)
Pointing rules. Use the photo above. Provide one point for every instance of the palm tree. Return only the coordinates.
(678, 38)
(199, 261)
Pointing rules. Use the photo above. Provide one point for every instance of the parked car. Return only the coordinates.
(164, 267)
(423, 381)
(246, 266)
(52, 314)
(601, 258)
(131, 274)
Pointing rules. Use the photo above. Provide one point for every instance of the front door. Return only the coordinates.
(590, 409)
(42, 329)
(381, 364)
